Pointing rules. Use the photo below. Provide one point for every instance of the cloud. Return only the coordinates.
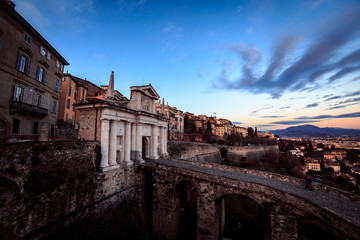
(272, 116)
(294, 122)
(340, 106)
(332, 98)
(291, 69)
(173, 30)
(236, 123)
(266, 107)
(130, 5)
(346, 115)
(250, 30)
(32, 13)
(352, 94)
(286, 107)
(312, 105)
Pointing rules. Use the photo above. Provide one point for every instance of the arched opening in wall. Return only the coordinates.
(2, 131)
(223, 153)
(118, 157)
(145, 147)
(310, 228)
(241, 218)
(187, 218)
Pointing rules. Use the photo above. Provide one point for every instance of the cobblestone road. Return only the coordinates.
(341, 207)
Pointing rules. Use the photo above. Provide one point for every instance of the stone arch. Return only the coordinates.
(311, 228)
(119, 158)
(241, 217)
(145, 147)
(223, 153)
(187, 195)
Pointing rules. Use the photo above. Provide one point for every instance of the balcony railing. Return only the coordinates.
(28, 109)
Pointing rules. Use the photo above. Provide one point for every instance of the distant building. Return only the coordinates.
(73, 91)
(241, 131)
(312, 164)
(176, 119)
(31, 71)
(333, 165)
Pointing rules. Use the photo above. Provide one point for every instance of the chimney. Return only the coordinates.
(11, 4)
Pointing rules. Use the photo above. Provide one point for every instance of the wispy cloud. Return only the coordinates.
(346, 115)
(129, 5)
(272, 116)
(250, 30)
(305, 71)
(236, 123)
(266, 107)
(294, 122)
(312, 105)
(173, 30)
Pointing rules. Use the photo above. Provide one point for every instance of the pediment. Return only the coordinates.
(147, 90)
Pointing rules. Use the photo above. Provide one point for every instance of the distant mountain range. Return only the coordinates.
(308, 131)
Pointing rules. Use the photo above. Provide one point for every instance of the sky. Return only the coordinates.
(265, 64)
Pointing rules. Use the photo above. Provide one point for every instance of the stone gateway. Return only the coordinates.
(128, 130)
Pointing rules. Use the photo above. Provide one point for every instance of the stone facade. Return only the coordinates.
(128, 130)
(31, 71)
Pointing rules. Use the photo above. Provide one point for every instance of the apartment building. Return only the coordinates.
(176, 119)
(73, 91)
(30, 78)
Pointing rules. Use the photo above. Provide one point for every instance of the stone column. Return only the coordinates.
(133, 142)
(165, 141)
(154, 142)
(138, 142)
(127, 142)
(112, 143)
(161, 144)
(104, 143)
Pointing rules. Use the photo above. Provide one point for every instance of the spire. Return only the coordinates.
(110, 89)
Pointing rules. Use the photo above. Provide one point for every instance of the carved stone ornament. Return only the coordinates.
(145, 103)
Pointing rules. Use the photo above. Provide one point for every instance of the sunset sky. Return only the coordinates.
(269, 64)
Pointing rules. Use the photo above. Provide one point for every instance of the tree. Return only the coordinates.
(320, 145)
(250, 132)
(208, 125)
(255, 131)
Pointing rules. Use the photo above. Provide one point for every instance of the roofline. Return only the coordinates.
(14, 14)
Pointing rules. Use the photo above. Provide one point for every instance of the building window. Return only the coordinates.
(69, 91)
(36, 128)
(76, 87)
(20, 94)
(41, 75)
(44, 53)
(73, 108)
(83, 91)
(57, 84)
(16, 126)
(70, 82)
(53, 106)
(82, 98)
(27, 38)
(64, 79)
(59, 65)
(67, 116)
(75, 95)
(38, 100)
(23, 64)
(68, 104)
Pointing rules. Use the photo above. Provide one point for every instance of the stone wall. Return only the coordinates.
(199, 151)
(52, 190)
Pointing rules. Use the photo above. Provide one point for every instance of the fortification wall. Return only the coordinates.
(53, 189)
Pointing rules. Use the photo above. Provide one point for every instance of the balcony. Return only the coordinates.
(27, 109)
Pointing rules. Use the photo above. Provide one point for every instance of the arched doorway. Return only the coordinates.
(145, 147)
(188, 196)
(241, 218)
